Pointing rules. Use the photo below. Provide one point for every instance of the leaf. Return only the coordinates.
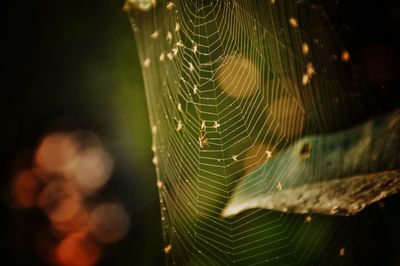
(339, 197)
(336, 174)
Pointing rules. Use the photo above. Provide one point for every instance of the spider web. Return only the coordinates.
(229, 84)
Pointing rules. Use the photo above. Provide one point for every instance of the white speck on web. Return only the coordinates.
(155, 35)
(146, 62)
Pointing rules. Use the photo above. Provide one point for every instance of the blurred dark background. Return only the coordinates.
(72, 65)
(69, 65)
